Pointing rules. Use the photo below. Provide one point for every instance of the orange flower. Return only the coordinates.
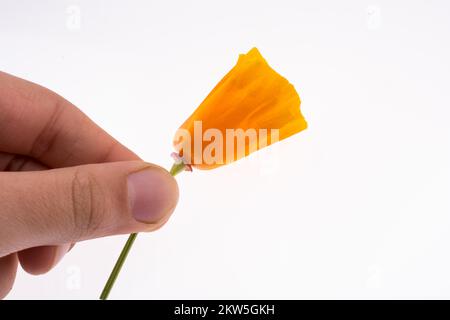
(250, 108)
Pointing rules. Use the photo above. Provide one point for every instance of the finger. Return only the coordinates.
(37, 122)
(12, 162)
(40, 260)
(71, 204)
(8, 270)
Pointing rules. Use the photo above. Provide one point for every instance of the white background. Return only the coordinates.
(357, 206)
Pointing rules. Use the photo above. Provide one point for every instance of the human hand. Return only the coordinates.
(63, 179)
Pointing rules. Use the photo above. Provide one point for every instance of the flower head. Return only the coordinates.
(250, 108)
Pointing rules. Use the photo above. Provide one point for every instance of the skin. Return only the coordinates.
(53, 161)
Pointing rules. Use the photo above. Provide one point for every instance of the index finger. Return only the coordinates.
(39, 123)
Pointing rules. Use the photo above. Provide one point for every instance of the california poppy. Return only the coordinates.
(252, 102)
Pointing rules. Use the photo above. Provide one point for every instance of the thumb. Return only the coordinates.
(71, 204)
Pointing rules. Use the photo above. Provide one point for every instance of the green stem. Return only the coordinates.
(176, 169)
(118, 266)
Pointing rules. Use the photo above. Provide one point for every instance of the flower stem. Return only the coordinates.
(118, 266)
(176, 169)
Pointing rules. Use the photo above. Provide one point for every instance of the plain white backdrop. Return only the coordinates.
(356, 206)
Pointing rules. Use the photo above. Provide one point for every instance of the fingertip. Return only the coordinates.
(40, 260)
(153, 194)
(8, 270)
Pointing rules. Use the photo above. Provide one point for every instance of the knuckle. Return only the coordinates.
(88, 205)
(48, 135)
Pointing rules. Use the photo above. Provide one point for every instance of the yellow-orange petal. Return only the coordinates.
(252, 97)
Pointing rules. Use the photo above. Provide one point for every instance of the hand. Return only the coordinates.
(63, 179)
